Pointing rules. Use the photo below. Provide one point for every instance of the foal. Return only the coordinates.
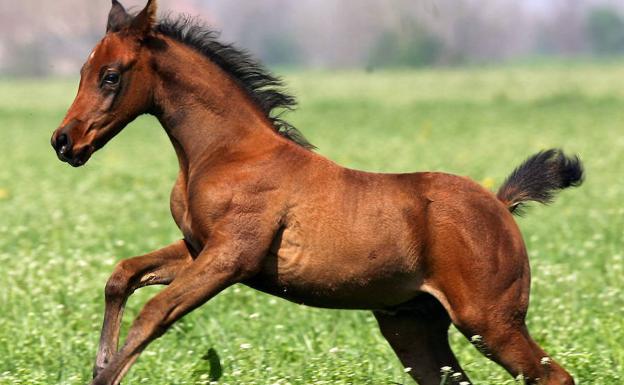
(257, 207)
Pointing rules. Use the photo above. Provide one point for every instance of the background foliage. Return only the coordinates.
(39, 38)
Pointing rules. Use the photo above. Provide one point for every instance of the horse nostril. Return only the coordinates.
(61, 141)
(63, 146)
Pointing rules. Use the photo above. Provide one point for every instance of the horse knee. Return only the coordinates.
(118, 283)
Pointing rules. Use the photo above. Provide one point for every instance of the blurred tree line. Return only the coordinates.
(605, 28)
(40, 38)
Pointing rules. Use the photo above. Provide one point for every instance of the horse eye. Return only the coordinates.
(111, 78)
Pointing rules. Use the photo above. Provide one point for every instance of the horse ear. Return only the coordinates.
(145, 21)
(118, 18)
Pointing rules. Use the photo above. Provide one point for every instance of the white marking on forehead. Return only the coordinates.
(93, 52)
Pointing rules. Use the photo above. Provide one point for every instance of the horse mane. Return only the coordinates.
(266, 89)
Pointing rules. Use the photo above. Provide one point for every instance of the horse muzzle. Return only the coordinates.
(67, 152)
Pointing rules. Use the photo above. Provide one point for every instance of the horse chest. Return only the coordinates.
(181, 215)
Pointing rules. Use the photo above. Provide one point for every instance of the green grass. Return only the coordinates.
(62, 229)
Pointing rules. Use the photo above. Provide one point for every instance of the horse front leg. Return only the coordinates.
(156, 268)
(211, 272)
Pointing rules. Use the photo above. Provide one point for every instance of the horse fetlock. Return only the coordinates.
(101, 362)
(97, 369)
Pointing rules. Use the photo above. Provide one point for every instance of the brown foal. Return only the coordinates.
(257, 206)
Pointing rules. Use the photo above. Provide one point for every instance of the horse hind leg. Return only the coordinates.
(508, 343)
(418, 334)
(491, 314)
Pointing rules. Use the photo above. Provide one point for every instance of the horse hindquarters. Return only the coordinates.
(478, 269)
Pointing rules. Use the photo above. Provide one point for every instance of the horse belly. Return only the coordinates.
(370, 273)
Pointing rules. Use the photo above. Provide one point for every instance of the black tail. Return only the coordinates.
(539, 178)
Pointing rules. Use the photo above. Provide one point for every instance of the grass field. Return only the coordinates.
(62, 229)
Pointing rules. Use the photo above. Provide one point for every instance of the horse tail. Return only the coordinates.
(539, 178)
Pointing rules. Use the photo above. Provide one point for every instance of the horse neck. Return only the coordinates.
(204, 111)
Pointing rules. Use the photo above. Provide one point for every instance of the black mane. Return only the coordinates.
(262, 86)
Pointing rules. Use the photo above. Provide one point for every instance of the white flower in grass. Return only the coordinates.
(334, 350)
(446, 369)
(245, 346)
(407, 370)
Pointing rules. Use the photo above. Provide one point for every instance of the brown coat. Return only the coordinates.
(421, 250)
